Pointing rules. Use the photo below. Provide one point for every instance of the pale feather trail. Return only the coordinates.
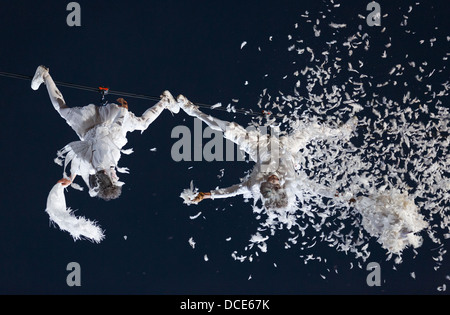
(401, 148)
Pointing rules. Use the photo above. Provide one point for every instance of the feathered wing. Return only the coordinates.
(393, 218)
(63, 217)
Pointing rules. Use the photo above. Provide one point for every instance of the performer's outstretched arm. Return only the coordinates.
(220, 193)
(150, 115)
(246, 140)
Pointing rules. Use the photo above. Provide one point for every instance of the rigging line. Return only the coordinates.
(125, 94)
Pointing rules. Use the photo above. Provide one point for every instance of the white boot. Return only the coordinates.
(171, 104)
(38, 78)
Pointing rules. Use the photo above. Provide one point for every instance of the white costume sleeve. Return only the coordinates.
(78, 227)
(246, 140)
(81, 119)
(150, 115)
(232, 191)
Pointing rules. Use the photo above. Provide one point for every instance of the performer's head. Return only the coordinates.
(274, 196)
(104, 184)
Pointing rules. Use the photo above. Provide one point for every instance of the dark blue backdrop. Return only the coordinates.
(188, 47)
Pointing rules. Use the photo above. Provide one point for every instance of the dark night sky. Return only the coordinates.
(188, 47)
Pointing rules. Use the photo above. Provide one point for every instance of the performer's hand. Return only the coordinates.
(201, 196)
(65, 182)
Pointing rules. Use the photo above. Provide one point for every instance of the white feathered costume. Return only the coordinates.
(102, 131)
(390, 216)
(273, 156)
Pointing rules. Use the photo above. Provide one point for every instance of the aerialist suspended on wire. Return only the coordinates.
(102, 131)
(274, 179)
(278, 181)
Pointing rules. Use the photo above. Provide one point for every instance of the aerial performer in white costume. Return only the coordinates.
(102, 131)
(275, 178)
(280, 183)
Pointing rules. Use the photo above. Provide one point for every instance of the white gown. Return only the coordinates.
(102, 131)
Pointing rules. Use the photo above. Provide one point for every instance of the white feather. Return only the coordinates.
(63, 217)
(189, 194)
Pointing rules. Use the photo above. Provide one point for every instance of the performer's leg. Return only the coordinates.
(56, 97)
(42, 76)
